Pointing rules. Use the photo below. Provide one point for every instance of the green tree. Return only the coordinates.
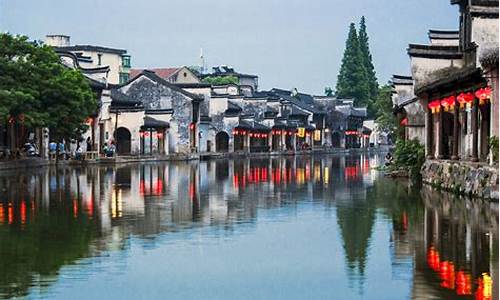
(36, 90)
(368, 64)
(328, 91)
(221, 80)
(352, 80)
(383, 109)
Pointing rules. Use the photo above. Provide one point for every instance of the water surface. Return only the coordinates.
(326, 227)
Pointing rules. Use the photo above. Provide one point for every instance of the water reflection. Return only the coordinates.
(438, 246)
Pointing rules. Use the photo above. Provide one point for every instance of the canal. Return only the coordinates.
(325, 227)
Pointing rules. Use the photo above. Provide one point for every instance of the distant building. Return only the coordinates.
(172, 75)
(91, 56)
(410, 113)
(245, 80)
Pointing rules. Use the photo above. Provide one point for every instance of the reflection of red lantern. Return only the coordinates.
(146, 134)
(463, 283)
(433, 259)
(159, 135)
(447, 274)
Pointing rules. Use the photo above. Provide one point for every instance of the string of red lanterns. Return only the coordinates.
(464, 99)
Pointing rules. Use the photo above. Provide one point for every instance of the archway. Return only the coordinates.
(123, 138)
(222, 142)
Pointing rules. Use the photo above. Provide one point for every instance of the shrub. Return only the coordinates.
(409, 155)
(493, 143)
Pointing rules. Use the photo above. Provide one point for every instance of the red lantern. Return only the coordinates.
(448, 103)
(235, 132)
(159, 135)
(434, 106)
(191, 126)
(404, 122)
(465, 99)
(483, 95)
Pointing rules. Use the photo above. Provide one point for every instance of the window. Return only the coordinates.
(185, 74)
(126, 61)
(99, 59)
(124, 77)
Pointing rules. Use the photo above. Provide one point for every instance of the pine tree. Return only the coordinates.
(352, 81)
(367, 62)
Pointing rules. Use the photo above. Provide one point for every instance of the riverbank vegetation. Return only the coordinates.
(37, 90)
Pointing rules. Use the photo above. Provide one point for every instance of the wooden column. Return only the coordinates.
(440, 139)
(474, 124)
(455, 131)
(150, 141)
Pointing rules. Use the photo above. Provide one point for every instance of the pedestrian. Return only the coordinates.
(79, 152)
(89, 145)
(112, 149)
(62, 150)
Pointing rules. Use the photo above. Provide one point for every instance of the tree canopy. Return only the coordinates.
(221, 80)
(36, 90)
(357, 78)
(383, 109)
(352, 81)
(367, 60)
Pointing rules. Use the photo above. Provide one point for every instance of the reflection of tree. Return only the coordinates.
(45, 244)
(356, 222)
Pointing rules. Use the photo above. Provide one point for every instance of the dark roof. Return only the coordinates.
(244, 124)
(443, 34)
(150, 122)
(76, 63)
(260, 127)
(306, 98)
(193, 85)
(476, 2)
(408, 101)
(434, 51)
(401, 80)
(301, 100)
(232, 109)
(489, 58)
(120, 99)
(297, 112)
(450, 79)
(228, 71)
(151, 75)
(92, 48)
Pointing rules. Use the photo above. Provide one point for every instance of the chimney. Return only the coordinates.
(57, 40)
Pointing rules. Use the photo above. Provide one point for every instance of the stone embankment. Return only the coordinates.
(26, 163)
(463, 178)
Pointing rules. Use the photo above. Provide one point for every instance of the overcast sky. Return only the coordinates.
(288, 43)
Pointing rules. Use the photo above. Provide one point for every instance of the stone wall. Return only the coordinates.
(465, 178)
